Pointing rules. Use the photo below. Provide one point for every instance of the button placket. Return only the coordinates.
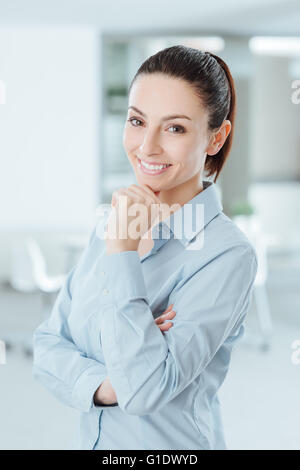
(105, 291)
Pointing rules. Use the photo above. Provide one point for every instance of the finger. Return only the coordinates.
(128, 192)
(151, 200)
(146, 190)
(122, 192)
(166, 326)
(168, 309)
(165, 316)
(151, 191)
(115, 196)
(144, 195)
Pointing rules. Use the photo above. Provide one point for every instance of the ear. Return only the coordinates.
(218, 138)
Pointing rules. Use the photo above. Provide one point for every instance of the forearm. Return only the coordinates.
(63, 368)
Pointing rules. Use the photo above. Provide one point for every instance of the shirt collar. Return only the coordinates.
(185, 223)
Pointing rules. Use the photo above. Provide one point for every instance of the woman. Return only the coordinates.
(102, 350)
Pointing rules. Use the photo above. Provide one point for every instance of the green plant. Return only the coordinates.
(242, 208)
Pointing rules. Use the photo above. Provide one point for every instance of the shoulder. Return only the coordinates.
(223, 243)
(224, 228)
(223, 233)
(224, 267)
(232, 233)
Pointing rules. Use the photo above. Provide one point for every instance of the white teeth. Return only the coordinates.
(154, 167)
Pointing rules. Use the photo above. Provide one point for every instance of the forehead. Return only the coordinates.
(159, 94)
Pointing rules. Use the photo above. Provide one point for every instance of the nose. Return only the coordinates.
(150, 144)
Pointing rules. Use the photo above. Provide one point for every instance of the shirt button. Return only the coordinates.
(102, 273)
(105, 291)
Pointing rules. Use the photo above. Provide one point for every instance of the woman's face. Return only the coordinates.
(166, 124)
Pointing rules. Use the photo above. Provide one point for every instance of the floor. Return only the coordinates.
(259, 398)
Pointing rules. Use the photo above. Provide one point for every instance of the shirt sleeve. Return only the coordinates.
(57, 361)
(148, 369)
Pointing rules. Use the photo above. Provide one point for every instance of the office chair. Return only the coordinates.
(29, 275)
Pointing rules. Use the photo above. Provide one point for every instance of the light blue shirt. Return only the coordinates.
(102, 324)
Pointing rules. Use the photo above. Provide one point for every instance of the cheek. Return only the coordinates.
(189, 161)
(130, 139)
(183, 153)
(177, 149)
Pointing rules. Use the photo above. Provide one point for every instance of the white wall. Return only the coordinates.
(48, 143)
(275, 121)
(277, 204)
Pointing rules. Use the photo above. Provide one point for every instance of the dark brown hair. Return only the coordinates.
(212, 81)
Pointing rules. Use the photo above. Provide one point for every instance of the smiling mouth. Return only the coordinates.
(153, 169)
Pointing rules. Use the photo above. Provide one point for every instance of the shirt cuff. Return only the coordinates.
(85, 387)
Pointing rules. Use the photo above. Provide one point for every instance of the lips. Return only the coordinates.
(152, 164)
(151, 172)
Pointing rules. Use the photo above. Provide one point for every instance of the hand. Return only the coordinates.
(124, 220)
(105, 394)
(168, 314)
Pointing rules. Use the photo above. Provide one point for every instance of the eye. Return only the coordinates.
(182, 130)
(133, 119)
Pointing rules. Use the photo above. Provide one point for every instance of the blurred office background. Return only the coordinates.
(64, 71)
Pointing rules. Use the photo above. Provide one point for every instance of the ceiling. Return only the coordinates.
(246, 17)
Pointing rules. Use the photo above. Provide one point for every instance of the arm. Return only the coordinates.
(147, 369)
(75, 379)
(58, 363)
(105, 394)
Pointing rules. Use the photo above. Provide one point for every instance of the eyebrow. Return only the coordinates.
(166, 118)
